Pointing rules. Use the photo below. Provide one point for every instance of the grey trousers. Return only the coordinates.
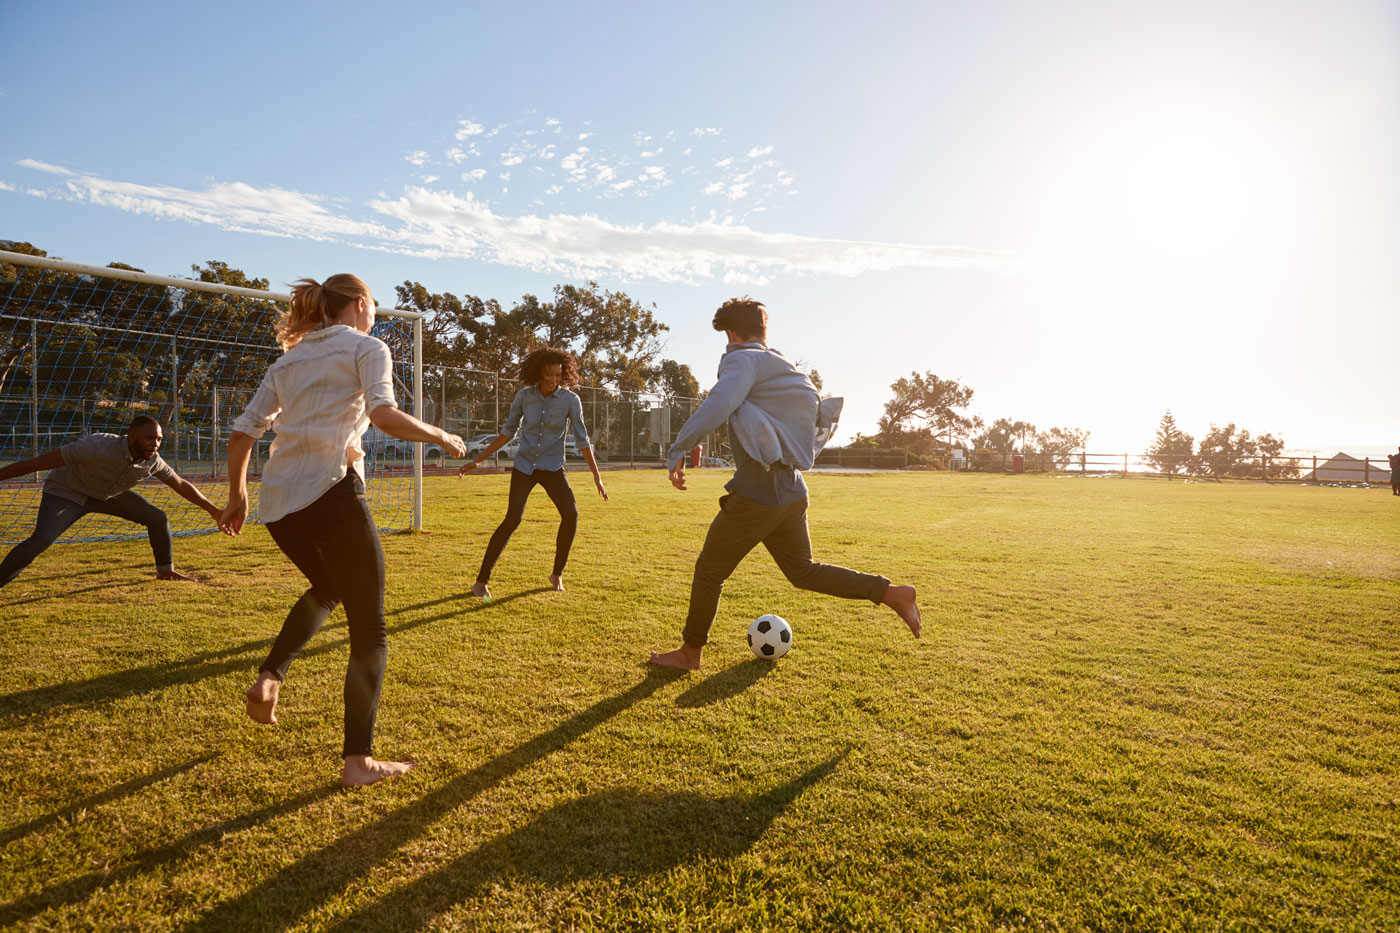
(741, 525)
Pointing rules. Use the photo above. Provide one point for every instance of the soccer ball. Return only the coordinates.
(770, 637)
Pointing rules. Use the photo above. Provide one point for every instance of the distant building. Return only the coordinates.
(1344, 468)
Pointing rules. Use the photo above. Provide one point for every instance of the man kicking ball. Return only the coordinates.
(95, 474)
(774, 413)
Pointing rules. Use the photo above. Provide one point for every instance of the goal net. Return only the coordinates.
(84, 349)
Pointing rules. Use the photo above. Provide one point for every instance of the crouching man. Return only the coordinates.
(96, 473)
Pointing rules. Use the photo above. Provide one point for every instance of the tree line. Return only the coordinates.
(927, 416)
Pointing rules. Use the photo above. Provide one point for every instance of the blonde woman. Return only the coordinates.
(333, 381)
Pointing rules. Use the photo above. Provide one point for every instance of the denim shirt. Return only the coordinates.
(541, 421)
(774, 412)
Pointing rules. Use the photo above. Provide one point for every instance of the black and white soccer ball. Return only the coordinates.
(770, 637)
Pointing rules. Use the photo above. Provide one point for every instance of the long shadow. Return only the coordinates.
(614, 833)
(117, 685)
(54, 596)
(68, 575)
(727, 683)
(325, 873)
(87, 803)
(81, 888)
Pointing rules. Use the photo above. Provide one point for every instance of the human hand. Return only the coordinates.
(466, 468)
(231, 519)
(454, 445)
(678, 476)
(601, 491)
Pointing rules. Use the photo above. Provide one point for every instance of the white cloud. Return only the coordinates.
(706, 131)
(738, 191)
(583, 136)
(456, 154)
(757, 151)
(512, 158)
(547, 152)
(6, 186)
(554, 189)
(551, 121)
(429, 179)
(714, 187)
(466, 128)
(422, 221)
(39, 193)
(475, 174)
(418, 157)
(724, 163)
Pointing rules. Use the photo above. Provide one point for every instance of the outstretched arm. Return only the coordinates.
(45, 461)
(240, 448)
(405, 427)
(191, 492)
(500, 441)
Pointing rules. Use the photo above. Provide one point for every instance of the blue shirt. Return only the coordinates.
(541, 421)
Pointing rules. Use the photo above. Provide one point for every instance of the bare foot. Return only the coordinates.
(262, 699)
(556, 581)
(173, 574)
(684, 658)
(362, 770)
(905, 601)
(480, 591)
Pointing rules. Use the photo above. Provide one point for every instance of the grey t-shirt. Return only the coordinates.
(99, 466)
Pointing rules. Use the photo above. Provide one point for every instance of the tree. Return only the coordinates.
(1057, 445)
(1222, 450)
(924, 409)
(1003, 435)
(1170, 452)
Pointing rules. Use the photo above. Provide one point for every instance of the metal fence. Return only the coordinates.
(626, 428)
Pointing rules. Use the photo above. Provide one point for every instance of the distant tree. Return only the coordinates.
(1223, 450)
(1171, 450)
(1003, 435)
(923, 415)
(1057, 445)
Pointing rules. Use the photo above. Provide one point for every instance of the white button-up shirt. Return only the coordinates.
(320, 394)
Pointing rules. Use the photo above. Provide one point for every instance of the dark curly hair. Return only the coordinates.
(532, 368)
(744, 316)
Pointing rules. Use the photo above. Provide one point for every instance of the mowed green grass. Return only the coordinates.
(1136, 705)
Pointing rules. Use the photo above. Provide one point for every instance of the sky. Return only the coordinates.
(1088, 212)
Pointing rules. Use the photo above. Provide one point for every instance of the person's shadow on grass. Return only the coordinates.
(325, 873)
(243, 656)
(727, 683)
(615, 833)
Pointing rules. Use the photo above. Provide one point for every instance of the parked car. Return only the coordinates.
(379, 444)
(479, 442)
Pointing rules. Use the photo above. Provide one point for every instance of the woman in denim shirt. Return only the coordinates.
(542, 412)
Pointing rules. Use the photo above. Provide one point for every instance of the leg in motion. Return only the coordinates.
(556, 485)
(790, 543)
(520, 486)
(56, 515)
(136, 508)
(740, 525)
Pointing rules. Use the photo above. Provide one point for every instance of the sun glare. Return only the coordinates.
(1176, 213)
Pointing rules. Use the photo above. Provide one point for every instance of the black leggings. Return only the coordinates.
(556, 484)
(334, 543)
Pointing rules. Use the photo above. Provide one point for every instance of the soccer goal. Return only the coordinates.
(86, 348)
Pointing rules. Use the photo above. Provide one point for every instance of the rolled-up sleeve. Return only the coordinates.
(376, 375)
(580, 429)
(517, 412)
(261, 411)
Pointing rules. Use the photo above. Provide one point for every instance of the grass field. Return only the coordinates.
(1136, 705)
